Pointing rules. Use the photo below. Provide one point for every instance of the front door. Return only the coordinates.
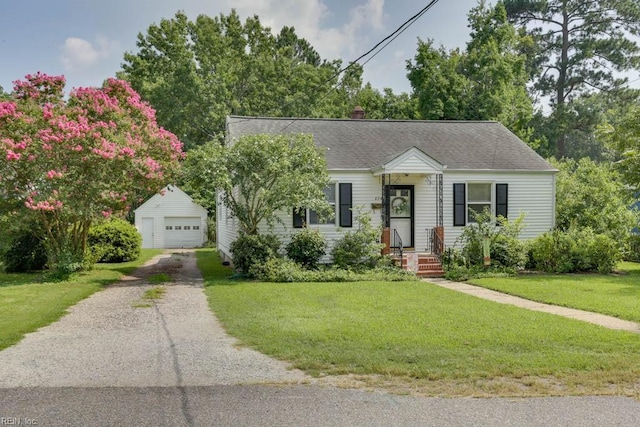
(147, 232)
(400, 213)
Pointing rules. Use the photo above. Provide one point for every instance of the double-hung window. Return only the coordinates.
(472, 198)
(330, 196)
(339, 198)
(478, 199)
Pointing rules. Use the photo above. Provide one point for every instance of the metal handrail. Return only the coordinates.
(438, 245)
(435, 244)
(397, 245)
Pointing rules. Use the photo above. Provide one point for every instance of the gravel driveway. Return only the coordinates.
(111, 340)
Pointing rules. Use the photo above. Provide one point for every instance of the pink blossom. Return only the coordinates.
(52, 174)
(13, 156)
(126, 151)
(106, 213)
(45, 205)
(8, 108)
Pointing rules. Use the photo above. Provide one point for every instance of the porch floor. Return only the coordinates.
(424, 264)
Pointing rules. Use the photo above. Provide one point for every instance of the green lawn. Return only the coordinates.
(422, 335)
(27, 303)
(612, 294)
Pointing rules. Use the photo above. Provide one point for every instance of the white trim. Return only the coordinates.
(545, 172)
(412, 160)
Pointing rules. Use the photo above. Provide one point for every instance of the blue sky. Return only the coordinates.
(85, 39)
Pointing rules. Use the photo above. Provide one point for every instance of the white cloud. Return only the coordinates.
(314, 21)
(78, 53)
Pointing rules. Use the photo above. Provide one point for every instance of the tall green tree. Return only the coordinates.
(195, 73)
(487, 81)
(581, 47)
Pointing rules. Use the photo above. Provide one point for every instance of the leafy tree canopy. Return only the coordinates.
(195, 73)
(260, 175)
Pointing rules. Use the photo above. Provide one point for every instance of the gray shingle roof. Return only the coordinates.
(363, 144)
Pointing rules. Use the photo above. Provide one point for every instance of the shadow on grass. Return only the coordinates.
(17, 279)
(213, 271)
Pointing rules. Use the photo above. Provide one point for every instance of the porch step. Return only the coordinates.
(426, 265)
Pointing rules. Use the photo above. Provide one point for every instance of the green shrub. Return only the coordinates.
(253, 249)
(116, 240)
(574, 251)
(306, 248)
(360, 249)
(25, 253)
(285, 270)
(505, 249)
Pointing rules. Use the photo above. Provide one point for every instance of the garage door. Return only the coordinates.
(182, 232)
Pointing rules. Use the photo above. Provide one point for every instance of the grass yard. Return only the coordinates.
(27, 303)
(612, 294)
(414, 337)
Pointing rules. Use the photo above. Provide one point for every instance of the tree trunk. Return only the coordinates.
(561, 150)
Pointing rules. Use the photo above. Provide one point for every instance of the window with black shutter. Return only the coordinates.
(346, 215)
(502, 197)
(459, 204)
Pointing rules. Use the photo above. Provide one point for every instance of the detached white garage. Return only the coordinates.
(172, 220)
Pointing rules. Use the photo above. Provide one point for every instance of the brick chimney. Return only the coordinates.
(357, 113)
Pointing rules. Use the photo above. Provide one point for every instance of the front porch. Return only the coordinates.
(412, 211)
(425, 262)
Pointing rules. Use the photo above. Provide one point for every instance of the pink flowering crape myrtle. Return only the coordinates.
(66, 162)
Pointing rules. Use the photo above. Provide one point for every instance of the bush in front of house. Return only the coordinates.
(25, 253)
(286, 270)
(505, 249)
(253, 249)
(360, 249)
(574, 251)
(114, 240)
(306, 248)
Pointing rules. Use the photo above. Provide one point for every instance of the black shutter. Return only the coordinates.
(459, 204)
(299, 217)
(502, 197)
(346, 215)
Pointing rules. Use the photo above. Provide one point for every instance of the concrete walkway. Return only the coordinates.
(586, 316)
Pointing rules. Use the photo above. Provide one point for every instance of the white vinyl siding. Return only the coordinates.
(530, 193)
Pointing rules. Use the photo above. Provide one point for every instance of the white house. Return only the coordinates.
(171, 220)
(419, 179)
